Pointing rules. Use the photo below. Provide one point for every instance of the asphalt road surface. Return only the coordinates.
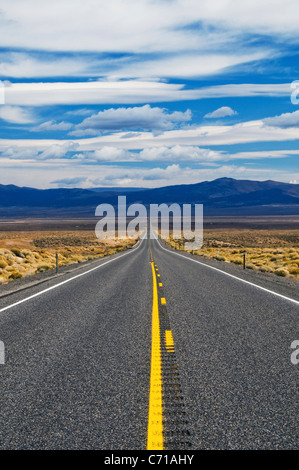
(85, 364)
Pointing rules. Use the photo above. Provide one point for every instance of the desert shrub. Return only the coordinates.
(16, 252)
(294, 271)
(15, 275)
(42, 269)
(250, 266)
(265, 269)
(3, 264)
(236, 261)
(220, 258)
(281, 272)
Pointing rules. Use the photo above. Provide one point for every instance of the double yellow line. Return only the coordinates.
(155, 415)
(163, 392)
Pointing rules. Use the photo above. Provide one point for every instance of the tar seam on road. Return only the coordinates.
(167, 424)
(68, 280)
(231, 275)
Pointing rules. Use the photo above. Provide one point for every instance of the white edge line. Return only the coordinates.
(230, 275)
(67, 280)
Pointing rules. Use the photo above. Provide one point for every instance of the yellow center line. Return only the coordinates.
(155, 415)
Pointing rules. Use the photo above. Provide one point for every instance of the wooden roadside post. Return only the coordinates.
(56, 263)
(244, 259)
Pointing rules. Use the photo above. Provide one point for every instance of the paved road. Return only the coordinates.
(78, 358)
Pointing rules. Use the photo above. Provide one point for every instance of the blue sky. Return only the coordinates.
(149, 92)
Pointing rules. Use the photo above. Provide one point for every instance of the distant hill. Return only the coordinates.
(222, 196)
(116, 190)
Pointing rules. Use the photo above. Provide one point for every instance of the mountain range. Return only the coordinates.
(223, 196)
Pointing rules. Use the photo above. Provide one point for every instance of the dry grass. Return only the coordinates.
(268, 251)
(27, 253)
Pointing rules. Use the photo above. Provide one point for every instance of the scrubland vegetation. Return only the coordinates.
(266, 251)
(28, 253)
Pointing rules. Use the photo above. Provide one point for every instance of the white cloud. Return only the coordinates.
(93, 92)
(262, 154)
(202, 136)
(128, 92)
(173, 145)
(16, 115)
(78, 180)
(107, 154)
(17, 152)
(283, 121)
(142, 25)
(121, 176)
(180, 153)
(52, 126)
(58, 151)
(51, 151)
(26, 65)
(79, 112)
(186, 65)
(196, 64)
(157, 38)
(161, 154)
(143, 117)
(244, 90)
(221, 112)
(177, 153)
